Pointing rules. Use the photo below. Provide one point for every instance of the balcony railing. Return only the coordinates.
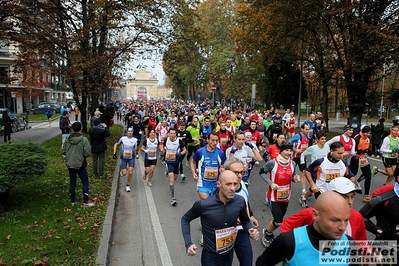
(7, 54)
(4, 80)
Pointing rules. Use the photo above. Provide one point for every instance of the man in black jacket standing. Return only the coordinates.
(98, 133)
(65, 126)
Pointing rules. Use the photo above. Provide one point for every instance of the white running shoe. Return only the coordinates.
(89, 204)
(173, 202)
(127, 188)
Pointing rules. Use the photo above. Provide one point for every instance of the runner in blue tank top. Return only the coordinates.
(301, 246)
(209, 159)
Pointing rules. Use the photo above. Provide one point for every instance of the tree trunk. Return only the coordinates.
(356, 91)
(3, 201)
(83, 109)
(324, 103)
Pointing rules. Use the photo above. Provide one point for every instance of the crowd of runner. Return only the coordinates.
(208, 140)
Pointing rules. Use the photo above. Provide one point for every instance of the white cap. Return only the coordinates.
(247, 134)
(342, 185)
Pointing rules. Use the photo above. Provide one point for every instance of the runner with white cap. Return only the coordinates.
(344, 186)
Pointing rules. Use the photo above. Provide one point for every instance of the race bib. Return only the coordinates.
(127, 154)
(345, 155)
(304, 147)
(283, 192)
(224, 141)
(152, 153)
(170, 156)
(211, 173)
(274, 135)
(363, 162)
(225, 239)
(332, 174)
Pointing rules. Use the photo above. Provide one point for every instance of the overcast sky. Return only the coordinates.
(150, 66)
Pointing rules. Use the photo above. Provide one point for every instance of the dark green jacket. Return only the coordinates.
(76, 149)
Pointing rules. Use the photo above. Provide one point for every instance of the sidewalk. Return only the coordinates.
(106, 235)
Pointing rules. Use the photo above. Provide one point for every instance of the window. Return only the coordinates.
(4, 70)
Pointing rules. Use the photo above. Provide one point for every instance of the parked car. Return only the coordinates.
(54, 104)
(395, 120)
(41, 108)
(63, 104)
(10, 114)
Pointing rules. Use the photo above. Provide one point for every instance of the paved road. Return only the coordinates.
(39, 132)
(147, 231)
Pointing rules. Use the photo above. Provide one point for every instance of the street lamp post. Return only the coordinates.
(382, 91)
(213, 88)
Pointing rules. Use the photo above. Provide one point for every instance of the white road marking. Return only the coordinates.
(156, 224)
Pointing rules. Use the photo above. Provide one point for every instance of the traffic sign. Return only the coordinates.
(199, 96)
(231, 99)
(213, 88)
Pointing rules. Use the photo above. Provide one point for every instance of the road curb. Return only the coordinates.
(40, 123)
(105, 241)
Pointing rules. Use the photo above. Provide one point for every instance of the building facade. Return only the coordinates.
(14, 95)
(144, 86)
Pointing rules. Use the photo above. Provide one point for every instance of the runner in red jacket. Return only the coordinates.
(344, 186)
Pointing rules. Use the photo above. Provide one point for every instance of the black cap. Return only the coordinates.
(96, 122)
(347, 127)
(286, 146)
(77, 126)
(366, 129)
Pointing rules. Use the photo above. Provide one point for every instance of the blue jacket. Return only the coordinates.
(49, 112)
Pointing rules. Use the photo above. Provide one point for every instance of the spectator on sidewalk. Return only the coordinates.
(76, 111)
(76, 149)
(65, 126)
(356, 126)
(7, 127)
(98, 133)
(97, 115)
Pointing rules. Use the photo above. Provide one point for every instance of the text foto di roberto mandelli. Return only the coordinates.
(358, 252)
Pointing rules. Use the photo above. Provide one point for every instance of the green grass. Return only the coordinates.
(41, 117)
(41, 228)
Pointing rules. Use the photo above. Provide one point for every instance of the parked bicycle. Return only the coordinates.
(20, 124)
